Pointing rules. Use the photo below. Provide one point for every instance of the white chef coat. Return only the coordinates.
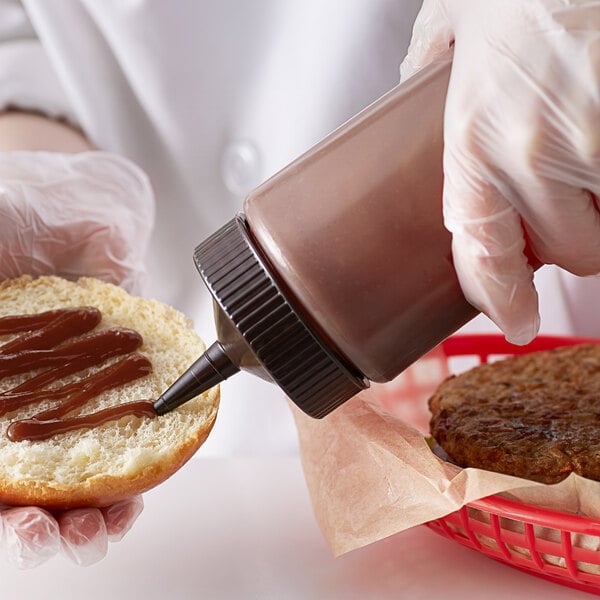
(211, 97)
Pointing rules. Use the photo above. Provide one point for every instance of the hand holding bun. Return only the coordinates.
(98, 472)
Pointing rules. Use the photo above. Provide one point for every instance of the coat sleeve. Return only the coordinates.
(27, 78)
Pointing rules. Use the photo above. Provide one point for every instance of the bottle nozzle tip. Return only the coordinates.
(210, 369)
(161, 407)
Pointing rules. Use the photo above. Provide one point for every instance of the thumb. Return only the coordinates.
(432, 38)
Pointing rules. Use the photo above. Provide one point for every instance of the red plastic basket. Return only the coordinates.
(561, 547)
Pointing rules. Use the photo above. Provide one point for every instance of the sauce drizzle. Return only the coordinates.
(61, 340)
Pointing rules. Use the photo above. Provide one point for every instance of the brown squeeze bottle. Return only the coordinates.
(339, 270)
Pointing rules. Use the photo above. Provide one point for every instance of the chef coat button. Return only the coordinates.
(241, 167)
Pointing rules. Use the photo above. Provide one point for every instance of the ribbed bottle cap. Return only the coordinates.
(310, 374)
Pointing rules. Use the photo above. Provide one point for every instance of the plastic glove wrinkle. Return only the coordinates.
(87, 214)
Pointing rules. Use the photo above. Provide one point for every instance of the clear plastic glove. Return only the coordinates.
(522, 148)
(30, 535)
(86, 214)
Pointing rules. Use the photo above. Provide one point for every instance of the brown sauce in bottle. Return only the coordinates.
(61, 340)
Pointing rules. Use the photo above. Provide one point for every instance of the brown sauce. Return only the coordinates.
(62, 341)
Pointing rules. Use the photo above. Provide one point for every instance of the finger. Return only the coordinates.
(563, 224)
(84, 539)
(30, 536)
(120, 517)
(488, 246)
(432, 38)
(550, 178)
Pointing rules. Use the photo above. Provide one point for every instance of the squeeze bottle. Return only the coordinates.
(339, 270)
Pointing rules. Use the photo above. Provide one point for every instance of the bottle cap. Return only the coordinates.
(270, 325)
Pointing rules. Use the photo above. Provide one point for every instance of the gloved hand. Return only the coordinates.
(30, 535)
(86, 214)
(522, 147)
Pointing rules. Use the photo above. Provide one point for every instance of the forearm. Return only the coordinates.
(28, 131)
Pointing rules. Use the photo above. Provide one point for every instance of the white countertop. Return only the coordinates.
(236, 528)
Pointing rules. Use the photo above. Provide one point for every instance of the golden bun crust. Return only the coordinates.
(100, 466)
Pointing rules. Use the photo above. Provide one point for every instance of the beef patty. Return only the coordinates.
(535, 416)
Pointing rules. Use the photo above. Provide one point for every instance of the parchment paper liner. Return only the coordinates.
(371, 473)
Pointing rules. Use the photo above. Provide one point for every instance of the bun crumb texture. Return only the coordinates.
(111, 462)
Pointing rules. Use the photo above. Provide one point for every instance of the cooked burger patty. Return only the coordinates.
(536, 416)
